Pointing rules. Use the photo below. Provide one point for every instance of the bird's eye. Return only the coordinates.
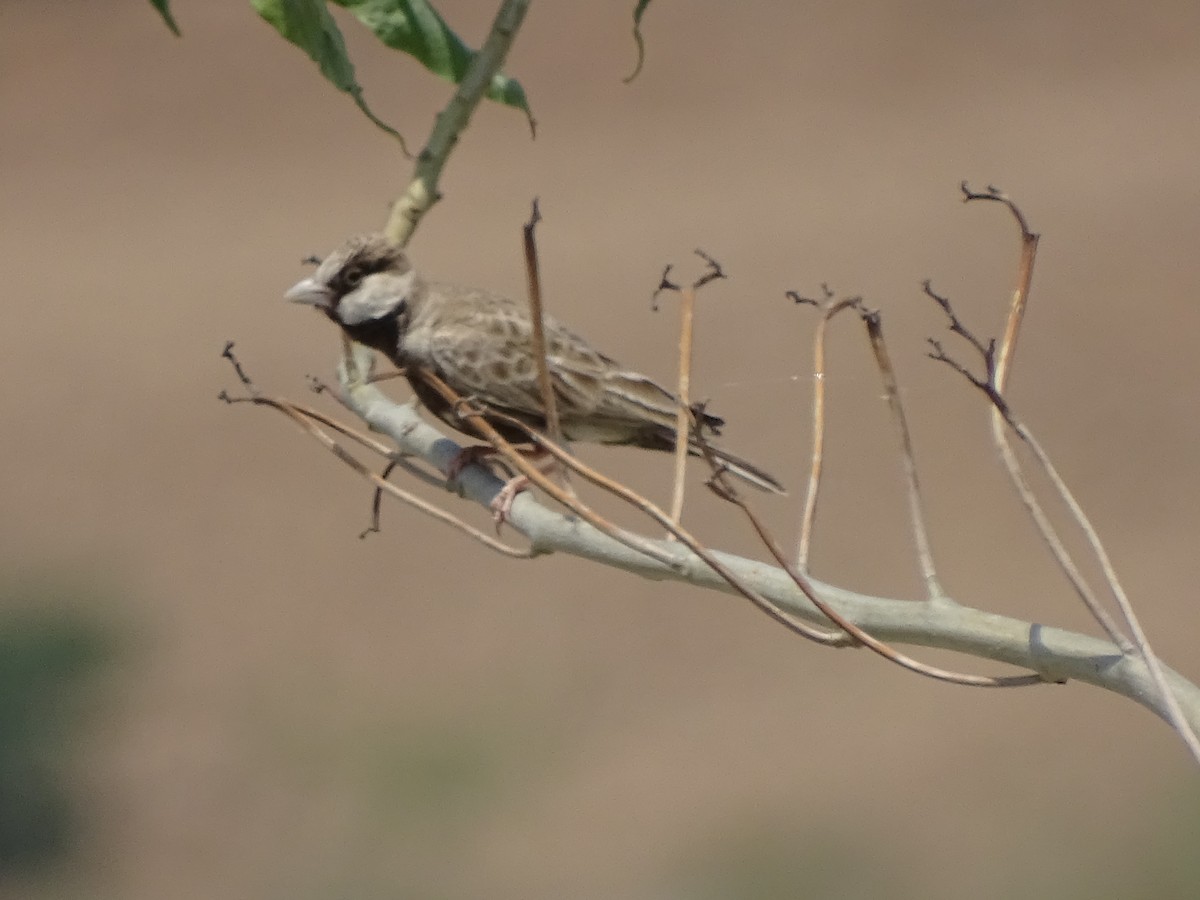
(352, 276)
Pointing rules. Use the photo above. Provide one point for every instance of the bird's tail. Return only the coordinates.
(743, 469)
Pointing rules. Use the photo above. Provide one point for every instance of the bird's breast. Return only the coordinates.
(416, 344)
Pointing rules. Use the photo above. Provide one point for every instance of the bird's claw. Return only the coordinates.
(468, 456)
(501, 504)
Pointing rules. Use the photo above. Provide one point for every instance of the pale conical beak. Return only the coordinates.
(310, 291)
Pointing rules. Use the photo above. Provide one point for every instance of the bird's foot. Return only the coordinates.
(482, 454)
(477, 454)
(501, 504)
(485, 453)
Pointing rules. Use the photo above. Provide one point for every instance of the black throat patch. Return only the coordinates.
(378, 334)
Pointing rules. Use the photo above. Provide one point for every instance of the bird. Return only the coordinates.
(480, 343)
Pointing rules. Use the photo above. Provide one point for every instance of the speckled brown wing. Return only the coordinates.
(481, 345)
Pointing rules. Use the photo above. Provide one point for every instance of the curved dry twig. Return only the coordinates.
(308, 420)
(478, 419)
(537, 318)
(835, 639)
(1057, 654)
(915, 506)
(723, 488)
(1002, 420)
(683, 390)
(1016, 474)
(808, 516)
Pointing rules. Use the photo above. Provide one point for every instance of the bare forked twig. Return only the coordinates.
(808, 516)
(1016, 312)
(724, 488)
(687, 317)
(537, 317)
(1055, 653)
(1001, 409)
(999, 368)
(479, 417)
(309, 420)
(933, 588)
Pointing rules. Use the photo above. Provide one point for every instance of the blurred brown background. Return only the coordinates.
(277, 709)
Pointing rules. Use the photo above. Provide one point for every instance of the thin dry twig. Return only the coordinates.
(1033, 506)
(537, 316)
(1140, 645)
(687, 317)
(1020, 299)
(307, 419)
(477, 417)
(375, 526)
(1002, 416)
(887, 372)
(1142, 642)
(317, 386)
(687, 312)
(723, 488)
(808, 516)
(792, 623)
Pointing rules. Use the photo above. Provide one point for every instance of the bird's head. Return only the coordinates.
(367, 286)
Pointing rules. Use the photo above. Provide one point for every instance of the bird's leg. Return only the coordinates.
(477, 454)
(501, 504)
(482, 454)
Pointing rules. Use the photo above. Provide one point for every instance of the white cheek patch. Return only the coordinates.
(377, 297)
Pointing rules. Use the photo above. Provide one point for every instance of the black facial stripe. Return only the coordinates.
(362, 263)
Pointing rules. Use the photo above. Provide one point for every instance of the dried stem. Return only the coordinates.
(808, 516)
(687, 315)
(723, 488)
(687, 309)
(887, 372)
(478, 419)
(1002, 420)
(1029, 500)
(1056, 653)
(1172, 710)
(636, 500)
(1016, 311)
(537, 317)
(1176, 714)
(307, 420)
(687, 318)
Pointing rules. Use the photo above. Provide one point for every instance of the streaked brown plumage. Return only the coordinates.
(480, 344)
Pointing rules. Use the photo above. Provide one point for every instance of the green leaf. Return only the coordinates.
(165, 12)
(414, 27)
(308, 25)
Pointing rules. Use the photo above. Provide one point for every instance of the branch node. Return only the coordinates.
(712, 272)
(664, 284)
(535, 216)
